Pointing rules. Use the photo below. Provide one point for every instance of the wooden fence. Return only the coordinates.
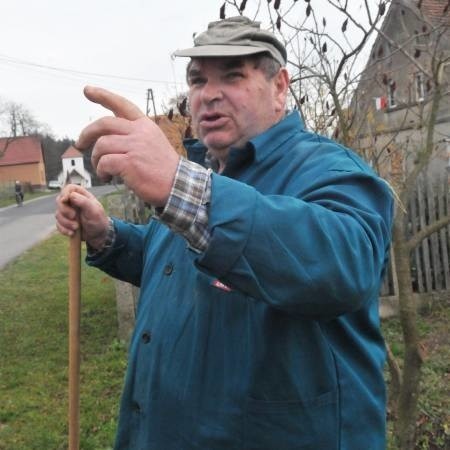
(7, 190)
(430, 261)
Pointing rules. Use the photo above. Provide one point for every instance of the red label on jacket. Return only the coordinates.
(219, 285)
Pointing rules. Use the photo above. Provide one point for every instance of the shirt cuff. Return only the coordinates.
(186, 210)
(109, 241)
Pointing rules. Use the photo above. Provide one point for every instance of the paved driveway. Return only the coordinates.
(23, 227)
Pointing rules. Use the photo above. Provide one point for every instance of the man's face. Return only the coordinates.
(231, 101)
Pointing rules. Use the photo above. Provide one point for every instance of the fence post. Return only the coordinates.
(126, 206)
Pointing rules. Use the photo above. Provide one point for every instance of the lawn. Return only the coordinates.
(33, 352)
(11, 199)
(433, 423)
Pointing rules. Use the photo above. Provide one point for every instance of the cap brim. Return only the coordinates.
(217, 51)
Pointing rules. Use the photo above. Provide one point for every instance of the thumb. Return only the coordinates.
(120, 106)
(81, 202)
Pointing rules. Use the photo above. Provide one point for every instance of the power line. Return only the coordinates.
(11, 60)
(68, 78)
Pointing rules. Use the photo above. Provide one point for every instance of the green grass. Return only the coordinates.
(433, 423)
(34, 353)
(11, 199)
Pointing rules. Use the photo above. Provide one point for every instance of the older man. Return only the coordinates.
(258, 321)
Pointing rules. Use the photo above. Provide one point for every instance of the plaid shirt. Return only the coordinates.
(186, 210)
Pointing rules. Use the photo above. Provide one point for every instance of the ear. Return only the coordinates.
(281, 86)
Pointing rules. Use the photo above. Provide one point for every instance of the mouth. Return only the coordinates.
(212, 120)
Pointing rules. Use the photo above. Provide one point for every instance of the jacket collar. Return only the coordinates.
(259, 147)
(265, 143)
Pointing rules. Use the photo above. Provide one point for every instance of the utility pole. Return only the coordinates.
(150, 97)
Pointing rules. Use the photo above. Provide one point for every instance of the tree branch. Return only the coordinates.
(423, 156)
(415, 240)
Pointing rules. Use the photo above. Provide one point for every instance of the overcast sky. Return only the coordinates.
(132, 39)
(50, 49)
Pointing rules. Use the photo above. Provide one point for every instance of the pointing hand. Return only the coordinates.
(130, 146)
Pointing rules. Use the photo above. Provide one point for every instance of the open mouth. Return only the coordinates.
(212, 120)
(211, 116)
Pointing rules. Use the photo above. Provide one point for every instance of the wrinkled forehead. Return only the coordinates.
(223, 64)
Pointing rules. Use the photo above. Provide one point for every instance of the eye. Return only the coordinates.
(196, 81)
(234, 75)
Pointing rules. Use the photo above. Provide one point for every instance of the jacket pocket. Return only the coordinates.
(292, 425)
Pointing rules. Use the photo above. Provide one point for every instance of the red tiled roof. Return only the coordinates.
(434, 9)
(71, 152)
(21, 150)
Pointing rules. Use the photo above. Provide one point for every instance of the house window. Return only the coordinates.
(420, 39)
(380, 52)
(391, 94)
(72, 162)
(422, 36)
(420, 87)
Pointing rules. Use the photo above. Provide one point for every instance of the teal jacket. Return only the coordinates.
(269, 339)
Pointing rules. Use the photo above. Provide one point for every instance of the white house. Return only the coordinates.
(73, 170)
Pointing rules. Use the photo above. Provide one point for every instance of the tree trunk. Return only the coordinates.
(405, 424)
(394, 383)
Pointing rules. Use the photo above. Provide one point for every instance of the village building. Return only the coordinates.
(405, 88)
(393, 102)
(21, 159)
(73, 170)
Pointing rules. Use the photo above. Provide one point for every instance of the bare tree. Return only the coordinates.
(429, 60)
(16, 121)
(409, 61)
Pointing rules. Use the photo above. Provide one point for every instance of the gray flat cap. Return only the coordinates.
(235, 36)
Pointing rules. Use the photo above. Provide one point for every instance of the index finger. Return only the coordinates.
(120, 106)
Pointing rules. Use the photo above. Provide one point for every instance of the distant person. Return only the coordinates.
(18, 192)
(257, 325)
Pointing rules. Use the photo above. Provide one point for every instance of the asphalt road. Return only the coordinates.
(23, 227)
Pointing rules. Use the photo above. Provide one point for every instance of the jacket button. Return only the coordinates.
(168, 269)
(136, 407)
(146, 337)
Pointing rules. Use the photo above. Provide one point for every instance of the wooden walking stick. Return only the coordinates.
(121, 108)
(74, 339)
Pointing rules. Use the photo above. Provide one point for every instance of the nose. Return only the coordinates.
(211, 91)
